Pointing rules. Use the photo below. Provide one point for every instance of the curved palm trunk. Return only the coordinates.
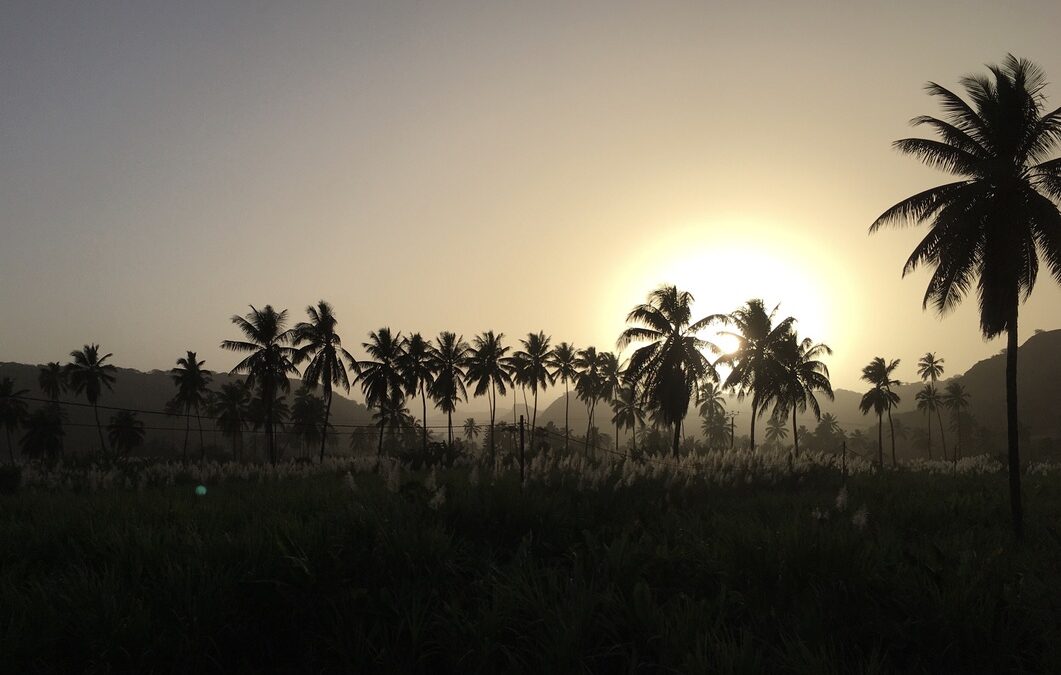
(567, 408)
(449, 424)
(755, 408)
(534, 419)
(379, 448)
(616, 436)
(795, 434)
(327, 416)
(677, 437)
(891, 430)
(202, 444)
(942, 438)
(423, 398)
(1013, 436)
(880, 441)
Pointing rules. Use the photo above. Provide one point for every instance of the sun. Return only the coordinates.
(726, 343)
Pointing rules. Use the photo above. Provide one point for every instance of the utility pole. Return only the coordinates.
(522, 455)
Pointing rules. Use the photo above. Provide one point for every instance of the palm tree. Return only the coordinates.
(268, 363)
(775, 430)
(588, 384)
(88, 374)
(125, 431)
(192, 382)
(12, 410)
(260, 412)
(52, 380)
(629, 414)
(928, 402)
(990, 226)
(448, 356)
(44, 433)
(712, 400)
(800, 374)
(716, 429)
(317, 341)
(956, 399)
(755, 362)
(230, 409)
(534, 370)
(881, 399)
(415, 366)
(930, 368)
(562, 364)
(486, 367)
(381, 378)
(672, 366)
(471, 430)
(308, 418)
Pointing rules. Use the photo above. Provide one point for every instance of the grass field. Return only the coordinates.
(914, 573)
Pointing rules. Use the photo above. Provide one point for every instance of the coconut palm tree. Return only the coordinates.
(471, 430)
(588, 385)
(776, 431)
(990, 226)
(125, 432)
(881, 399)
(51, 378)
(278, 410)
(88, 374)
(628, 413)
(12, 410)
(956, 399)
(317, 341)
(381, 378)
(712, 400)
(562, 366)
(268, 363)
(308, 418)
(755, 363)
(672, 366)
(192, 382)
(929, 367)
(800, 374)
(417, 369)
(230, 408)
(486, 366)
(44, 433)
(533, 370)
(929, 402)
(448, 356)
(716, 429)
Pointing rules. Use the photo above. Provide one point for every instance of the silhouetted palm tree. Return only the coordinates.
(588, 385)
(672, 366)
(259, 411)
(716, 429)
(88, 374)
(471, 429)
(485, 366)
(418, 372)
(956, 399)
(318, 341)
(712, 400)
(381, 378)
(52, 380)
(881, 399)
(192, 382)
(448, 356)
(928, 402)
(230, 409)
(44, 433)
(562, 364)
(755, 362)
(268, 363)
(125, 432)
(930, 368)
(775, 430)
(308, 417)
(12, 410)
(628, 413)
(534, 370)
(990, 226)
(799, 375)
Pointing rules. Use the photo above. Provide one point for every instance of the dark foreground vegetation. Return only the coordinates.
(315, 575)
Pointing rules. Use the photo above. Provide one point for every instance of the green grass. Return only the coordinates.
(306, 576)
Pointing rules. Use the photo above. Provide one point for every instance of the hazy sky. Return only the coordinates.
(471, 166)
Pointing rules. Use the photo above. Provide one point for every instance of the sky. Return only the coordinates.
(468, 166)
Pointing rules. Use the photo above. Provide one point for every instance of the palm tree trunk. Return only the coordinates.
(99, 432)
(567, 408)
(891, 430)
(493, 409)
(795, 433)
(754, 407)
(423, 398)
(534, 418)
(327, 416)
(942, 438)
(928, 415)
(677, 437)
(379, 449)
(202, 445)
(1013, 436)
(880, 441)
(449, 424)
(187, 427)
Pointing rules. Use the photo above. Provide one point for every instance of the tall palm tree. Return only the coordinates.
(588, 385)
(308, 418)
(88, 374)
(12, 410)
(486, 367)
(930, 368)
(775, 430)
(534, 370)
(990, 226)
(230, 408)
(712, 400)
(317, 341)
(755, 362)
(268, 363)
(126, 432)
(448, 357)
(260, 412)
(381, 378)
(471, 430)
(628, 413)
(800, 373)
(715, 428)
(929, 402)
(44, 433)
(956, 399)
(52, 380)
(562, 366)
(192, 382)
(417, 369)
(672, 366)
(881, 399)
